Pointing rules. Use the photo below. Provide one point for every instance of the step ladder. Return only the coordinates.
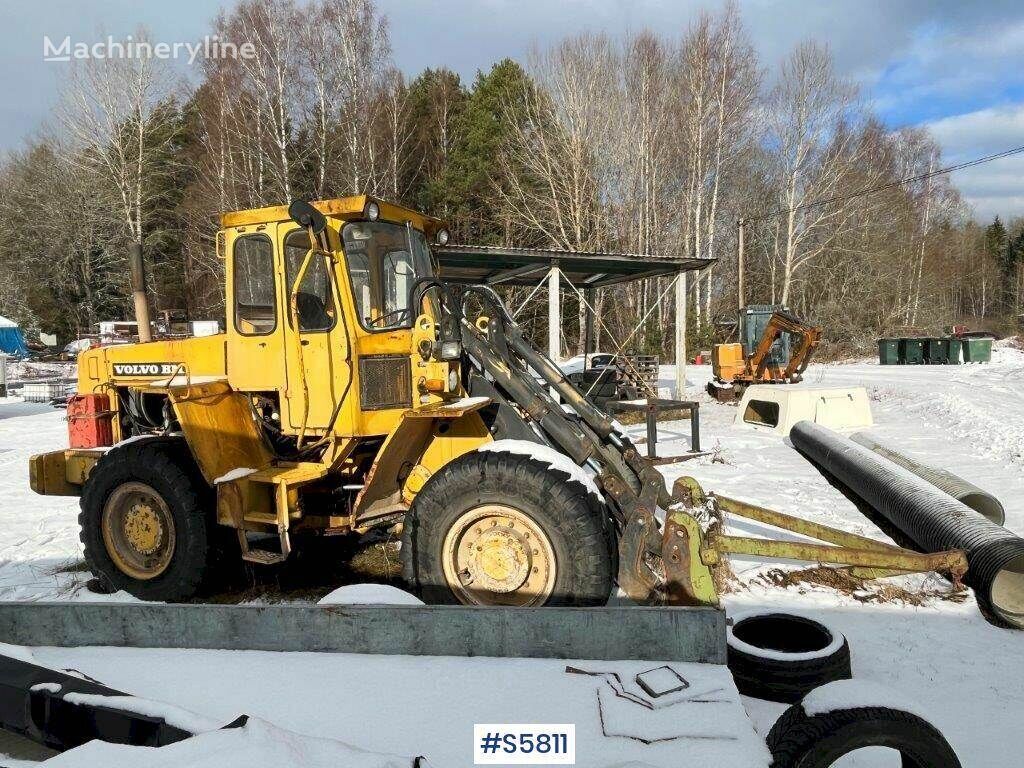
(283, 478)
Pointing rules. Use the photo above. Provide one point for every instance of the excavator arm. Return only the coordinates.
(808, 338)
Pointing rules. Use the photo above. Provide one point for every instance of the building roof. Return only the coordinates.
(527, 266)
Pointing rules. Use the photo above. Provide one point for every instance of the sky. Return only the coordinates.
(953, 66)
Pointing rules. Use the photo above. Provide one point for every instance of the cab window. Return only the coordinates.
(255, 296)
(314, 300)
(384, 261)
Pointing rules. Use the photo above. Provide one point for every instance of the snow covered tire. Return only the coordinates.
(165, 466)
(780, 656)
(799, 740)
(574, 521)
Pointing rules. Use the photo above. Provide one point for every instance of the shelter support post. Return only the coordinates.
(681, 335)
(589, 345)
(554, 313)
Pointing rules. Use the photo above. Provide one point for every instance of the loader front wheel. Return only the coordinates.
(493, 528)
(144, 522)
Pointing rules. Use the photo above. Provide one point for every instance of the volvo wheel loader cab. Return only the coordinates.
(331, 404)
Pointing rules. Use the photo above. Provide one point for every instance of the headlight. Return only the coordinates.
(442, 237)
(451, 350)
(372, 211)
(453, 380)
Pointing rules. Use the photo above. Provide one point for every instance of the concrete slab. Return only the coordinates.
(621, 633)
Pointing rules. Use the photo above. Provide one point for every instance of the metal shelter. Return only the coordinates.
(585, 270)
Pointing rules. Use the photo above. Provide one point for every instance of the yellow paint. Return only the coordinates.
(310, 377)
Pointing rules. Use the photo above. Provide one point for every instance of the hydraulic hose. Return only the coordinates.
(979, 500)
(931, 519)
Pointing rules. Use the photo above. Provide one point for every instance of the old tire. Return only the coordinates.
(799, 740)
(145, 520)
(780, 657)
(523, 534)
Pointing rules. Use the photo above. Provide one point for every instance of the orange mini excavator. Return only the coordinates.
(734, 371)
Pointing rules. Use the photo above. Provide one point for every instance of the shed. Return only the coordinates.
(12, 340)
(585, 271)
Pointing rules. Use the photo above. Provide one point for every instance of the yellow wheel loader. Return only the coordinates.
(355, 388)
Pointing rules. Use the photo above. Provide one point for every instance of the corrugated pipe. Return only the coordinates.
(962, 490)
(930, 518)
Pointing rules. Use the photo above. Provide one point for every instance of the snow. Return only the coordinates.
(855, 694)
(257, 744)
(965, 418)
(548, 455)
(405, 705)
(769, 653)
(369, 594)
(466, 402)
(7, 322)
(235, 474)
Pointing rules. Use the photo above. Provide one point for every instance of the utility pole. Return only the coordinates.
(740, 288)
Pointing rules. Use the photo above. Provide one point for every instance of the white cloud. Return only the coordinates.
(996, 187)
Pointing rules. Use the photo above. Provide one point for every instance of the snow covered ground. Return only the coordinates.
(967, 674)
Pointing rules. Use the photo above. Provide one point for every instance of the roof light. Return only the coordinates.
(442, 237)
(372, 211)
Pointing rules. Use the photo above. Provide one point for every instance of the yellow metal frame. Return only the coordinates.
(868, 558)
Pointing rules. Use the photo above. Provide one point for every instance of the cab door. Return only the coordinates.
(316, 347)
(255, 344)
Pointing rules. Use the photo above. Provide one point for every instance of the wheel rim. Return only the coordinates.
(497, 555)
(138, 531)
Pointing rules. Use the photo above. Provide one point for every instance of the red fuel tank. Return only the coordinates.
(90, 421)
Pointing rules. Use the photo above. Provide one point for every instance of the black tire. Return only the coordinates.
(575, 522)
(798, 740)
(780, 657)
(164, 465)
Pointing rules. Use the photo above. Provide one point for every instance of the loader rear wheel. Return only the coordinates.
(144, 520)
(493, 528)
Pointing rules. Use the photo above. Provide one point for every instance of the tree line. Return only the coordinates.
(643, 143)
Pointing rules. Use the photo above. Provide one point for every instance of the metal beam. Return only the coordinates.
(512, 274)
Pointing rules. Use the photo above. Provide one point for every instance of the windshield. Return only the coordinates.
(384, 260)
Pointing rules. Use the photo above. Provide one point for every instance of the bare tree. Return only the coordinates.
(110, 114)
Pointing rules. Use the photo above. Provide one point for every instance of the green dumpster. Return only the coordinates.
(936, 351)
(888, 351)
(911, 351)
(977, 350)
(955, 346)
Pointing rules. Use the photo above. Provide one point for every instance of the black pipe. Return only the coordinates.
(931, 519)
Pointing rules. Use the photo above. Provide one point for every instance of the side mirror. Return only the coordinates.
(306, 216)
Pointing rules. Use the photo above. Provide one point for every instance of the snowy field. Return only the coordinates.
(967, 674)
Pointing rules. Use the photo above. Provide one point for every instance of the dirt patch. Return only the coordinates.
(862, 590)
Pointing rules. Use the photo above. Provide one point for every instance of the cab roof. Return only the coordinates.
(352, 207)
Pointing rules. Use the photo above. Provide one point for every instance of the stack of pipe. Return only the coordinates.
(933, 520)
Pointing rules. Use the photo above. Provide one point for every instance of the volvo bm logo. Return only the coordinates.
(146, 369)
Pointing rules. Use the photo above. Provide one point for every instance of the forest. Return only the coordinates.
(644, 143)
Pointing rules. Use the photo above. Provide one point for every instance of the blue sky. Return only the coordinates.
(953, 65)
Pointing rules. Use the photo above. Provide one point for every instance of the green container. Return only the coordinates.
(977, 350)
(936, 351)
(911, 351)
(955, 348)
(888, 351)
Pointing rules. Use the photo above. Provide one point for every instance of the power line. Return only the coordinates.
(888, 185)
